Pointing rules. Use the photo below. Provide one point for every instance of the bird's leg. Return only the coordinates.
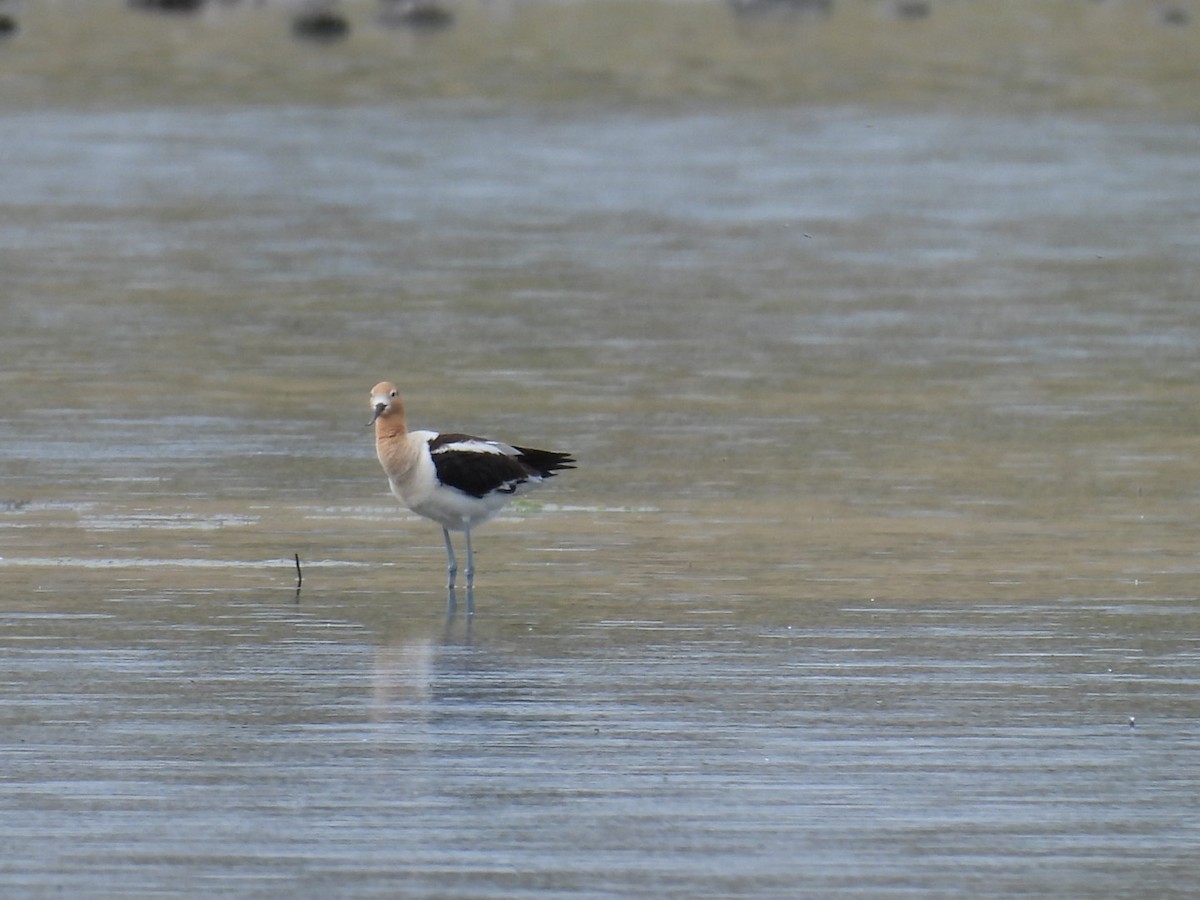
(470, 573)
(451, 562)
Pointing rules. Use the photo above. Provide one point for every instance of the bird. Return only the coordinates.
(320, 21)
(457, 480)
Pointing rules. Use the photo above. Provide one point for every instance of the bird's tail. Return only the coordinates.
(545, 462)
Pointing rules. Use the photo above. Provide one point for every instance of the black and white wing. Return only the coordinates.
(479, 467)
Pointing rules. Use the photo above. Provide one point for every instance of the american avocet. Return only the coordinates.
(457, 480)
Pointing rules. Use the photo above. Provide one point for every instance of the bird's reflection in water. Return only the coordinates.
(408, 666)
(402, 677)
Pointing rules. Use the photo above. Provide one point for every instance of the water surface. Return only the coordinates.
(877, 577)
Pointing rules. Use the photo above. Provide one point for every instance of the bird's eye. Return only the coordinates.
(393, 394)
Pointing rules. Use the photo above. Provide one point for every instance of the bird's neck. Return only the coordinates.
(391, 427)
(395, 451)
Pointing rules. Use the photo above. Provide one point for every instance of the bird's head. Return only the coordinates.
(385, 401)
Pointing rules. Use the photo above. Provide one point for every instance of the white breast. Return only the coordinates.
(421, 492)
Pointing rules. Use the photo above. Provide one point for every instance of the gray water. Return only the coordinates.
(877, 576)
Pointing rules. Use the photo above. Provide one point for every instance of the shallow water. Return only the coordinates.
(877, 577)
(226, 740)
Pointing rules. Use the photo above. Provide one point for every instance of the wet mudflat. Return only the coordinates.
(877, 577)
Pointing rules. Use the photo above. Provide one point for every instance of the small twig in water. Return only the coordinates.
(299, 574)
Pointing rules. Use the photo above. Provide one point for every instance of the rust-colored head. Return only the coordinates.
(385, 402)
